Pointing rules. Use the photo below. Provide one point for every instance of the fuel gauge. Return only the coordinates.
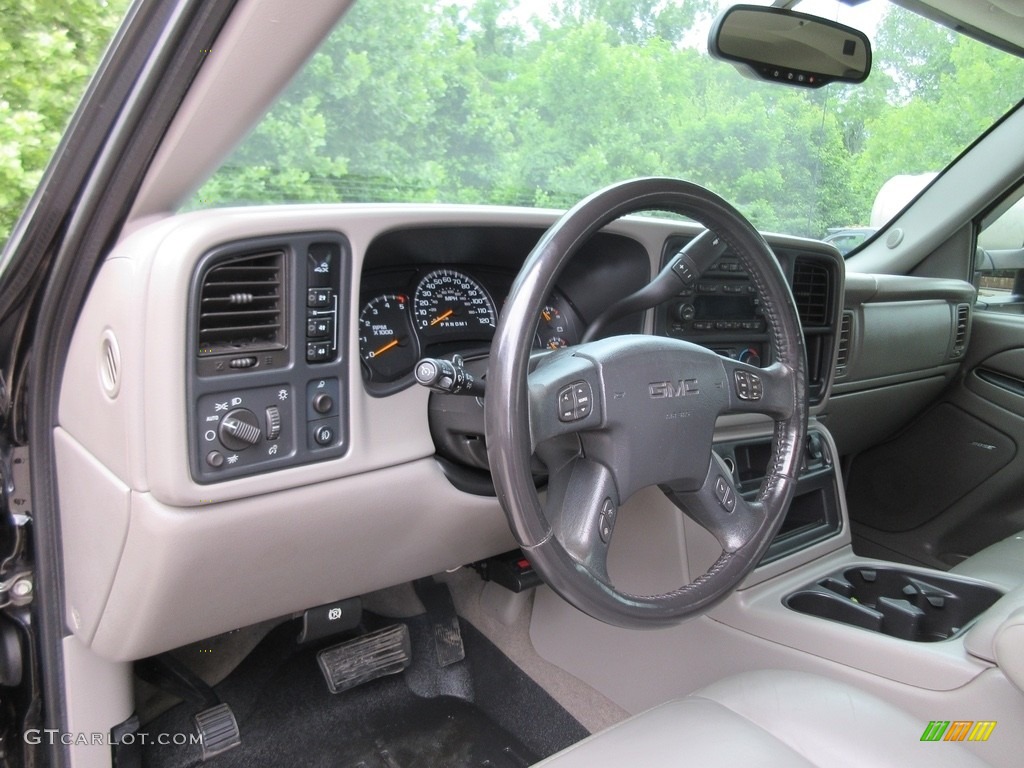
(554, 331)
(387, 344)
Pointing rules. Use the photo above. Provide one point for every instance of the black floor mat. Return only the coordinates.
(482, 711)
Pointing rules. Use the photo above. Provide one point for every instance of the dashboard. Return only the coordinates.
(229, 406)
(269, 380)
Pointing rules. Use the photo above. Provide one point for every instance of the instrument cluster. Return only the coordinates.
(432, 311)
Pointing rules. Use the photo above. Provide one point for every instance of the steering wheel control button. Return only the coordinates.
(606, 521)
(748, 385)
(566, 404)
(239, 430)
(725, 494)
(584, 397)
(575, 401)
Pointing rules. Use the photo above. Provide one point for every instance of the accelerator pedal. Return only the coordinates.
(387, 651)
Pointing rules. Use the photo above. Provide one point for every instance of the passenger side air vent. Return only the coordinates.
(811, 292)
(241, 308)
(845, 340)
(963, 316)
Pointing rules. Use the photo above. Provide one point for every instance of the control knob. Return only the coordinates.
(685, 312)
(239, 429)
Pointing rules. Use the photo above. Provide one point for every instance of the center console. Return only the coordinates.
(814, 514)
(903, 604)
(723, 311)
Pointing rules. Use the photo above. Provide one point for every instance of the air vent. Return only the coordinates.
(843, 355)
(963, 316)
(811, 291)
(240, 305)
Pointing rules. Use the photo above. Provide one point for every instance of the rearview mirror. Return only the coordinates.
(788, 47)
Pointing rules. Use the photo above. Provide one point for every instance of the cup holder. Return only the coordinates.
(923, 608)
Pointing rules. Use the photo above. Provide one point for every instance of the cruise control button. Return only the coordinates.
(606, 521)
(724, 493)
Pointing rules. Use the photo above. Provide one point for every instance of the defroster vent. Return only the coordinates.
(963, 317)
(845, 341)
(241, 308)
(811, 291)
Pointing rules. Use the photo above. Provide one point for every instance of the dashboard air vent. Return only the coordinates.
(811, 292)
(845, 334)
(240, 305)
(963, 316)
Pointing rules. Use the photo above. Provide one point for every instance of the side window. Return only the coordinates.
(999, 262)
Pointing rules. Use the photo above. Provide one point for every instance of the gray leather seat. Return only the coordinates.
(768, 718)
(1001, 563)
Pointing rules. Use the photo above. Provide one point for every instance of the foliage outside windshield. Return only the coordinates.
(48, 51)
(508, 102)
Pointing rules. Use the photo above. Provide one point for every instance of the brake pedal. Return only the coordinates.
(385, 652)
(437, 599)
(217, 729)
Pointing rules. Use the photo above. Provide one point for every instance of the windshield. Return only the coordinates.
(515, 102)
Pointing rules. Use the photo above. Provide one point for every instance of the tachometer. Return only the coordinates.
(452, 305)
(387, 343)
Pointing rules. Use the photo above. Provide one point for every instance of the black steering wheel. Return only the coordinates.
(609, 417)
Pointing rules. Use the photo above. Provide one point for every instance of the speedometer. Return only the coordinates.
(452, 305)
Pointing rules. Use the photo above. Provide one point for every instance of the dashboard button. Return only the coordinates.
(323, 435)
(323, 403)
(319, 327)
(318, 351)
(318, 297)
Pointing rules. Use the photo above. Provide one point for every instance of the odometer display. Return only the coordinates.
(450, 305)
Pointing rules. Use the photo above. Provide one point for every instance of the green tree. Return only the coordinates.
(49, 49)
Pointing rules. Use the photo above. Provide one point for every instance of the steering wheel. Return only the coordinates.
(611, 416)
